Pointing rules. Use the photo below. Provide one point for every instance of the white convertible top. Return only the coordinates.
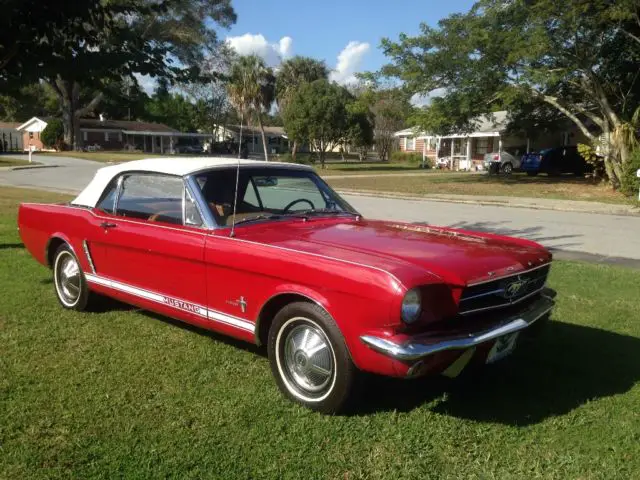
(181, 166)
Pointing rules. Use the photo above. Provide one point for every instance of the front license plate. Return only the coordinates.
(504, 346)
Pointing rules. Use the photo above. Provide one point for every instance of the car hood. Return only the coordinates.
(456, 256)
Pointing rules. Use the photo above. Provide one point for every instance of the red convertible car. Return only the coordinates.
(270, 254)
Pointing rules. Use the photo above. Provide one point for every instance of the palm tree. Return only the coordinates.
(293, 73)
(251, 90)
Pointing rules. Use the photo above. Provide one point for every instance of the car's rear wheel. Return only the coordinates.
(309, 359)
(68, 278)
(507, 169)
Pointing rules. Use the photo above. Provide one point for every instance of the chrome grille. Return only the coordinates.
(504, 291)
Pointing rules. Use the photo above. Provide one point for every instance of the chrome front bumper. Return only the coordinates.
(411, 351)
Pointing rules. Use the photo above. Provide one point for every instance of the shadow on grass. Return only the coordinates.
(6, 246)
(567, 366)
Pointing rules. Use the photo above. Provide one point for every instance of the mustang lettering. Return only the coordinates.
(331, 294)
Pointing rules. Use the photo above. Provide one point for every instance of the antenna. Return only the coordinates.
(235, 202)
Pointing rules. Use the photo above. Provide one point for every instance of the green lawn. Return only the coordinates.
(517, 185)
(121, 393)
(104, 156)
(15, 162)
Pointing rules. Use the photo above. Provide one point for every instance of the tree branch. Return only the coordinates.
(553, 101)
(90, 106)
(631, 36)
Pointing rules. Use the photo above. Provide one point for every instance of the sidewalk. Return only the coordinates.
(515, 202)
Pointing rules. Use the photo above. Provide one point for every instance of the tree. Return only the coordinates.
(116, 39)
(579, 57)
(318, 114)
(251, 89)
(53, 134)
(292, 73)
(359, 127)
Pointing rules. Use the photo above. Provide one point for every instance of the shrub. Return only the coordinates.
(53, 134)
(630, 183)
(410, 157)
(301, 158)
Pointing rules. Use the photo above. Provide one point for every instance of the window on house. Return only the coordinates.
(30, 134)
(120, 136)
(106, 136)
(85, 136)
(410, 143)
(482, 145)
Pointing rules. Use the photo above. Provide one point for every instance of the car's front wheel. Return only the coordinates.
(68, 278)
(309, 359)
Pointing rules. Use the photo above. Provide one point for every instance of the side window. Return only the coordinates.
(107, 202)
(156, 198)
(191, 214)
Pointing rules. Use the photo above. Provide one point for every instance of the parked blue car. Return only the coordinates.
(555, 161)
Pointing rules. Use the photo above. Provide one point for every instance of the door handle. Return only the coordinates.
(108, 225)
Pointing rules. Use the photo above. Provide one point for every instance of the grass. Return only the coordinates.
(368, 168)
(517, 185)
(124, 393)
(15, 162)
(104, 156)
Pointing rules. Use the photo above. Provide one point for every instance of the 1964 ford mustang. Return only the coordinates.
(291, 265)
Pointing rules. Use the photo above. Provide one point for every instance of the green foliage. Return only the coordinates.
(589, 154)
(577, 57)
(318, 114)
(295, 71)
(630, 184)
(410, 157)
(53, 134)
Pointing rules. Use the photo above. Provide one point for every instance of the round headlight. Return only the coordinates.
(411, 306)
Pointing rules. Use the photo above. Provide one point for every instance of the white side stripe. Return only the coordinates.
(173, 302)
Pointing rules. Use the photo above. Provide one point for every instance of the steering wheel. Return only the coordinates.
(300, 200)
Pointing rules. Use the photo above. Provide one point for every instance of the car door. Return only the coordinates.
(152, 257)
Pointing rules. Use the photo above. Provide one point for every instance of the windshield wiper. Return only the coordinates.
(327, 211)
(259, 217)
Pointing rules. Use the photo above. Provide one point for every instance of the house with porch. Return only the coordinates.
(466, 151)
(104, 134)
(277, 140)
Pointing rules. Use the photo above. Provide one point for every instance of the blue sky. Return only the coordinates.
(326, 29)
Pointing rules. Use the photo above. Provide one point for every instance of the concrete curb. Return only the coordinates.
(30, 167)
(606, 209)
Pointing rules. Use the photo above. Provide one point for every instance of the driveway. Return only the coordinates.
(585, 234)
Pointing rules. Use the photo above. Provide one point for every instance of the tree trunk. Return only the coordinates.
(264, 139)
(68, 92)
(294, 148)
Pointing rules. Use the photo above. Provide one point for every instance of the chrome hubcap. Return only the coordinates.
(308, 358)
(68, 278)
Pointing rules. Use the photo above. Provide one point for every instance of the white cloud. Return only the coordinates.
(147, 83)
(422, 100)
(272, 53)
(349, 61)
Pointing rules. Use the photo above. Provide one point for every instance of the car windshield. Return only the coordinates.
(268, 193)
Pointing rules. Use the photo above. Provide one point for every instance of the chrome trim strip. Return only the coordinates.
(492, 292)
(85, 247)
(200, 310)
(201, 204)
(502, 305)
(415, 351)
(523, 272)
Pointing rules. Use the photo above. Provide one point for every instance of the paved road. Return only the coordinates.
(584, 233)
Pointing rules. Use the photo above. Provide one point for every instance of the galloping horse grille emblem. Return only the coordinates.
(516, 288)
